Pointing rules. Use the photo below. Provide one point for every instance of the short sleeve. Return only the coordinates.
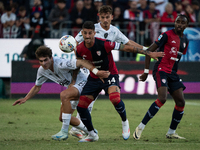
(79, 37)
(40, 77)
(161, 40)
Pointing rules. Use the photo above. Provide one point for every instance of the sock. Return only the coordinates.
(66, 120)
(82, 127)
(171, 131)
(85, 117)
(120, 107)
(176, 117)
(141, 126)
(153, 109)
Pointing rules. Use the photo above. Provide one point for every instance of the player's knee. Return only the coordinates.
(63, 96)
(162, 99)
(180, 103)
(84, 101)
(115, 98)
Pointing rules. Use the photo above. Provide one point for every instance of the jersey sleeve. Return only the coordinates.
(111, 46)
(40, 77)
(161, 40)
(121, 38)
(79, 37)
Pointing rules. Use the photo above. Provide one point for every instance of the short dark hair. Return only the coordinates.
(43, 51)
(182, 15)
(88, 25)
(105, 9)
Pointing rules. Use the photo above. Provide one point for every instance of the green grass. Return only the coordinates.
(30, 126)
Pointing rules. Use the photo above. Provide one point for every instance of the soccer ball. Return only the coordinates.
(67, 43)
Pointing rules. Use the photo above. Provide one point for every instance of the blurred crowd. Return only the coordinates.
(29, 18)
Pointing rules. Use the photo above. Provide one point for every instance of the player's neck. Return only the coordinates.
(105, 27)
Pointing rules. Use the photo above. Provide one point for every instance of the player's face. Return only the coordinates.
(105, 19)
(45, 62)
(88, 35)
(180, 24)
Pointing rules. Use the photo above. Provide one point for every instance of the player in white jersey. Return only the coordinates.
(60, 71)
(105, 30)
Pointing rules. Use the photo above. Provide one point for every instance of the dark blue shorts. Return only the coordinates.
(94, 86)
(170, 80)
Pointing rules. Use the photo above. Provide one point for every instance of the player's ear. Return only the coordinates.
(111, 17)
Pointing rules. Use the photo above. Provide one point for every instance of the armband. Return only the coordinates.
(95, 70)
(146, 70)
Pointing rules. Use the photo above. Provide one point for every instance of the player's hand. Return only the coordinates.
(19, 101)
(155, 55)
(143, 77)
(103, 74)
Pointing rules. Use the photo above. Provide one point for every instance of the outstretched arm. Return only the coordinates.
(134, 49)
(34, 90)
(89, 66)
(152, 48)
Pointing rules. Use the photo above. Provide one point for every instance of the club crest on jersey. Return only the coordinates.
(99, 53)
(184, 45)
(106, 35)
(163, 80)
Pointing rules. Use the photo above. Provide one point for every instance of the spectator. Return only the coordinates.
(97, 5)
(90, 11)
(186, 2)
(134, 16)
(78, 16)
(196, 8)
(57, 16)
(123, 4)
(152, 17)
(47, 5)
(189, 12)
(160, 5)
(178, 7)
(118, 18)
(37, 6)
(23, 22)
(169, 15)
(14, 7)
(1, 13)
(8, 20)
(143, 5)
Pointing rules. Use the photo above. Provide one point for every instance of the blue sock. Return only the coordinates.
(120, 107)
(153, 109)
(85, 117)
(176, 118)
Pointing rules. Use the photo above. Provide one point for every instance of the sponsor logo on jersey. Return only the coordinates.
(173, 41)
(69, 64)
(99, 53)
(84, 56)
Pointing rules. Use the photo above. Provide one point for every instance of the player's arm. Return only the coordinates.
(89, 66)
(132, 43)
(34, 90)
(144, 76)
(134, 49)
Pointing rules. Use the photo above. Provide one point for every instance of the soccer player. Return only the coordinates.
(105, 30)
(98, 51)
(60, 71)
(174, 43)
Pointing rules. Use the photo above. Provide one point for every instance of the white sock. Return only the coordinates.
(141, 125)
(92, 133)
(66, 120)
(171, 131)
(82, 127)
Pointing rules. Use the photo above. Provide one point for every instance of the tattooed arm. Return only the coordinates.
(134, 49)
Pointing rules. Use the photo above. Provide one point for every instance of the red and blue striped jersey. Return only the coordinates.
(99, 54)
(174, 47)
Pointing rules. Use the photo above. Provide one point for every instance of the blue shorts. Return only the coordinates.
(170, 80)
(94, 86)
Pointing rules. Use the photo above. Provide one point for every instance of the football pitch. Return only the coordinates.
(29, 126)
